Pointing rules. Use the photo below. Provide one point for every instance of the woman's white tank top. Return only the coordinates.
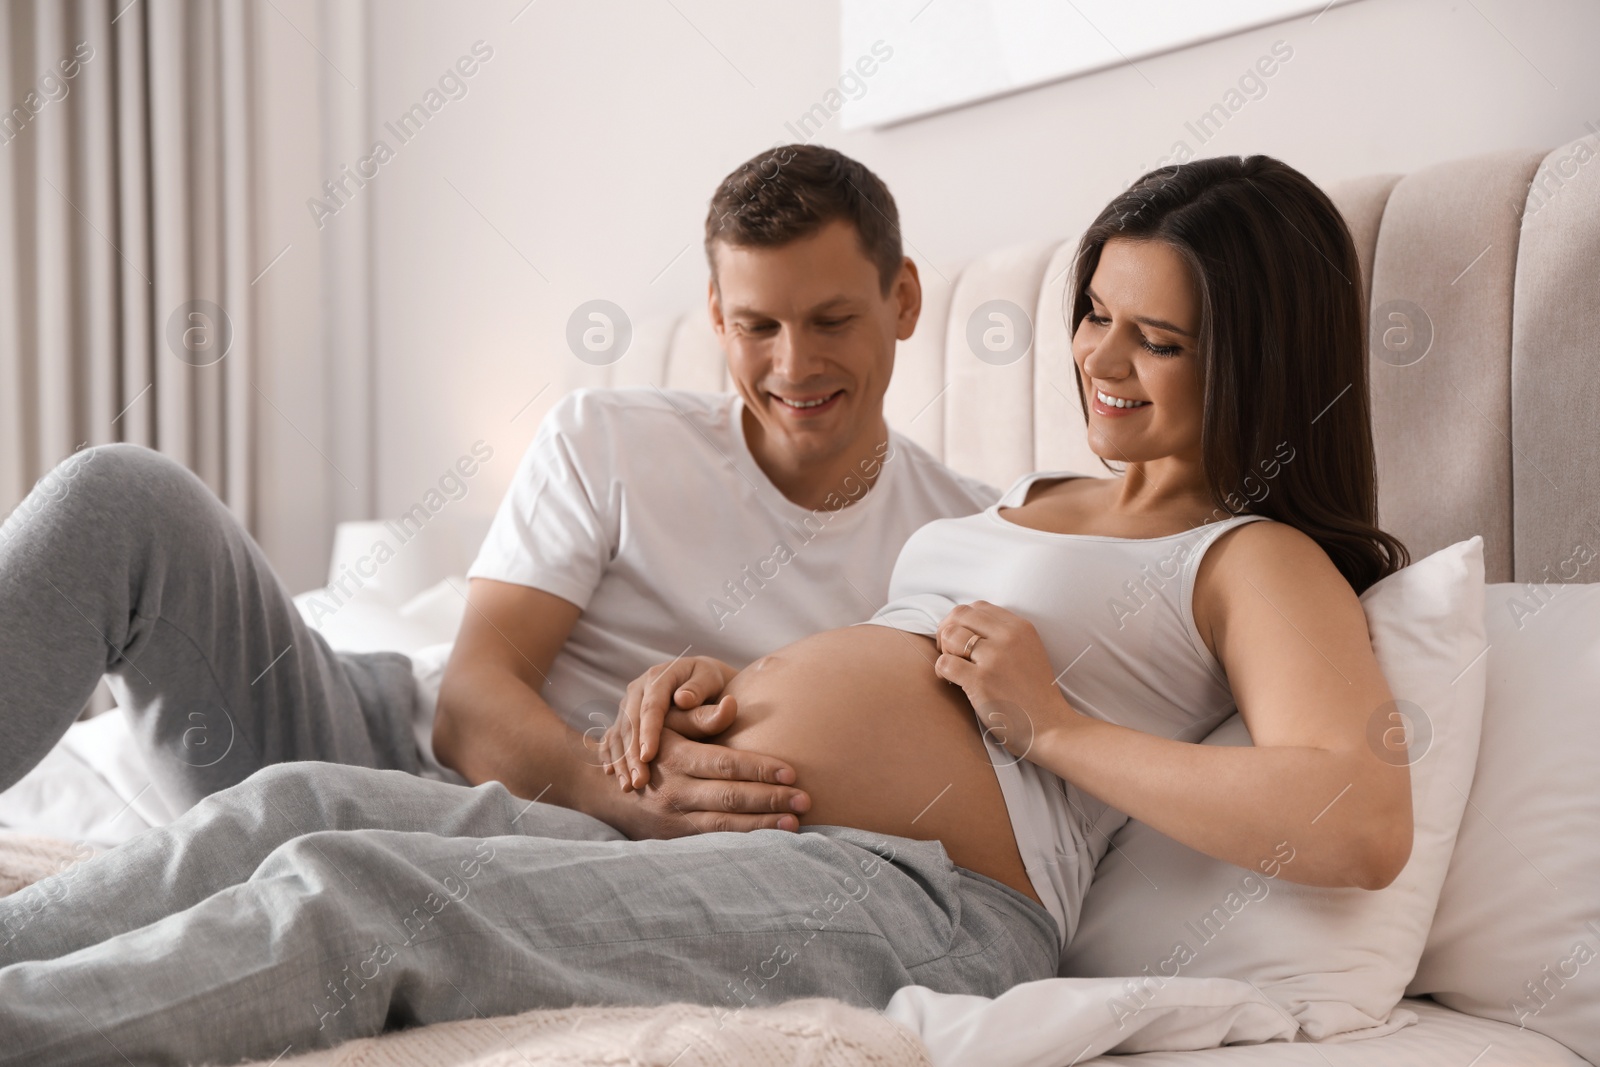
(1116, 616)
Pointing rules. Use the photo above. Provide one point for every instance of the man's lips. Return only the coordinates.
(806, 406)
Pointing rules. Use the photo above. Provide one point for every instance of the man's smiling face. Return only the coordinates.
(810, 338)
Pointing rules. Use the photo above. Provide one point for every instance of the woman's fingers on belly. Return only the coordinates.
(955, 639)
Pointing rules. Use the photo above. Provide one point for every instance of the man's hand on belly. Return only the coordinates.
(672, 694)
(696, 787)
(672, 779)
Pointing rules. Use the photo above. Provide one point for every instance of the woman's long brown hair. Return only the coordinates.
(1282, 344)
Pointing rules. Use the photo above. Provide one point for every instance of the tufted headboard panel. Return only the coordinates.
(1484, 283)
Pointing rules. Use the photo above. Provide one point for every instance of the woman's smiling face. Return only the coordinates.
(1139, 344)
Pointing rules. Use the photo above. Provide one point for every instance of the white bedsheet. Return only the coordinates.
(1062, 1021)
(1066, 1023)
(1441, 1037)
(92, 787)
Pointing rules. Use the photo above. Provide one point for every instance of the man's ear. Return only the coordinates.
(714, 308)
(908, 298)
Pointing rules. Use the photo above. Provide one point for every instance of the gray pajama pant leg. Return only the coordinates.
(122, 562)
(341, 933)
(223, 839)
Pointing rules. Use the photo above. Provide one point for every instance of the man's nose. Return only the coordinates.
(793, 357)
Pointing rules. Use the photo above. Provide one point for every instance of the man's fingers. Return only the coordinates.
(619, 762)
(653, 696)
(707, 720)
(711, 822)
(681, 686)
(632, 718)
(652, 712)
(727, 765)
(630, 755)
(660, 685)
(704, 684)
(739, 798)
(622, 729)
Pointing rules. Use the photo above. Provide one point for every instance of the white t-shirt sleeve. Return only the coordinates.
(558, 525)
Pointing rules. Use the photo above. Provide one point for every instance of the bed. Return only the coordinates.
(1484, 282)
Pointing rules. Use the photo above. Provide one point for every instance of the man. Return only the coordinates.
(305, 904)
(642, 525)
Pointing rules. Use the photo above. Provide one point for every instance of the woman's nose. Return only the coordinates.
(1107, 359)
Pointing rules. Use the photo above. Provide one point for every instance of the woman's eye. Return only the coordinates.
(1160, 350)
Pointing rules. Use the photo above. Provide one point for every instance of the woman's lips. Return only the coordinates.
(1111, 412)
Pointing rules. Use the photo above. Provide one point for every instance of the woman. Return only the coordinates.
(1219, 345)
(1218, 303)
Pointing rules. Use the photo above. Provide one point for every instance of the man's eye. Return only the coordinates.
(758, 327)
(832, 324)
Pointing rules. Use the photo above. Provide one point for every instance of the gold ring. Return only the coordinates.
(967, 652)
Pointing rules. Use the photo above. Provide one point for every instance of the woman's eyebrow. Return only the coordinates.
(1160, 324)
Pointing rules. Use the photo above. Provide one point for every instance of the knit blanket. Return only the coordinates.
(25, 859)
(821, 1033)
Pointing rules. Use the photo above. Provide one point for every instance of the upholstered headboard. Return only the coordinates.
(1484, 281)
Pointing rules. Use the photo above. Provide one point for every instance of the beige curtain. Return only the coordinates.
(125, 236)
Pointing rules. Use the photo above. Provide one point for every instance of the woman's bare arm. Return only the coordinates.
(1293, 639)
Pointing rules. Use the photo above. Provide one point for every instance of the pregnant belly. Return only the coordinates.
(880, 743)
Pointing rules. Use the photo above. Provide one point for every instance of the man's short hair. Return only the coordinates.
(792, 191)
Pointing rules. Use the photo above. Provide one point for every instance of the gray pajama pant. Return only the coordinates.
(122, 563)
(316, 903)
(296, 905)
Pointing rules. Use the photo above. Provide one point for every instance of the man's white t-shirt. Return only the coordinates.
(645, 508)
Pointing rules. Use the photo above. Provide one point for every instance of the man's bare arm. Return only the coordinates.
(492, 724)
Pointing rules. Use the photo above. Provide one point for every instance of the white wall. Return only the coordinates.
(294, 481)
(579, 163)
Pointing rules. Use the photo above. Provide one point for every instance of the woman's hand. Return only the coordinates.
(679, 688)
(998, 660)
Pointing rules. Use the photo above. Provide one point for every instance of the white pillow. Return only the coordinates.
(369, 621)
(1337, 960)
(1521, 903)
